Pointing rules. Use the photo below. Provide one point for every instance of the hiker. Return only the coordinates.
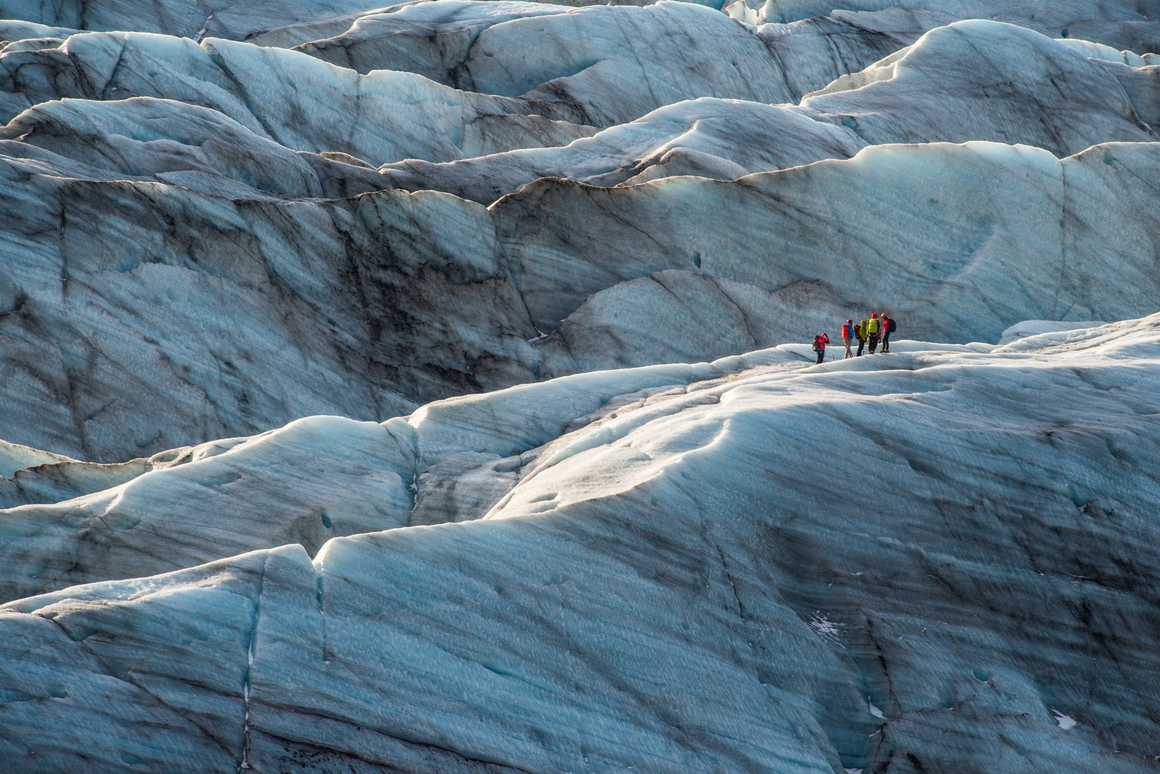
(860, 329)
(847, 335)
(820, 342)
(873, 328)
(888, 326)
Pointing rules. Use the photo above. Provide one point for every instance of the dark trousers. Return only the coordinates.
(861, 346)
(821, 355)
(886, 342)
(873, 342)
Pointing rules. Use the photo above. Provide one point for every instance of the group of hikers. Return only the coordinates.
(871, 332)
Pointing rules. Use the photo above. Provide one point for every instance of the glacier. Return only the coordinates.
(1121, 23)
(288, 97)
(485, 283)
(425, 385)
(675, 581)
(219, 18)
(975, 80)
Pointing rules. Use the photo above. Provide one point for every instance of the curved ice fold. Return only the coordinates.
(383, 301)
(296, 100)
(694, 586)
(972, 80)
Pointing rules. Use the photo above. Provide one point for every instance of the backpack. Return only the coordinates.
(893, 324)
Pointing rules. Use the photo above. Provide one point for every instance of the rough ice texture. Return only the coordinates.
(991, 73)
(269, 22)
(600, 65)
(867, 565)
(942, 559)
(304, 33)
(186, 146)
(827, 47)
(1121, 23)
(314, 479)
(381, 301)
(1022, 330)
(217, 18)
(293, 99)
(708, 137)
(221, 498)
(609, 65)
(180, 314)
(985, 80)
(972, 80)
(15, 31)
(30, 475)
(888, 227)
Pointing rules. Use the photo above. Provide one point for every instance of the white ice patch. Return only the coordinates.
(1066, 722)
(826, 629)
(1029, 328)
(875, 710)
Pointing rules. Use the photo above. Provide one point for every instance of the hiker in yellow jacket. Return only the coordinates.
(872, 329)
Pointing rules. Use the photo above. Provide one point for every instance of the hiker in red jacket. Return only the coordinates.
(820, 342)
(848, 335)
(888, 326)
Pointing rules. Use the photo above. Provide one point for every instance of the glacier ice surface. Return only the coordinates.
(663, 588)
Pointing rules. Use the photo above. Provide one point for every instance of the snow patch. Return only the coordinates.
(826, 629)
